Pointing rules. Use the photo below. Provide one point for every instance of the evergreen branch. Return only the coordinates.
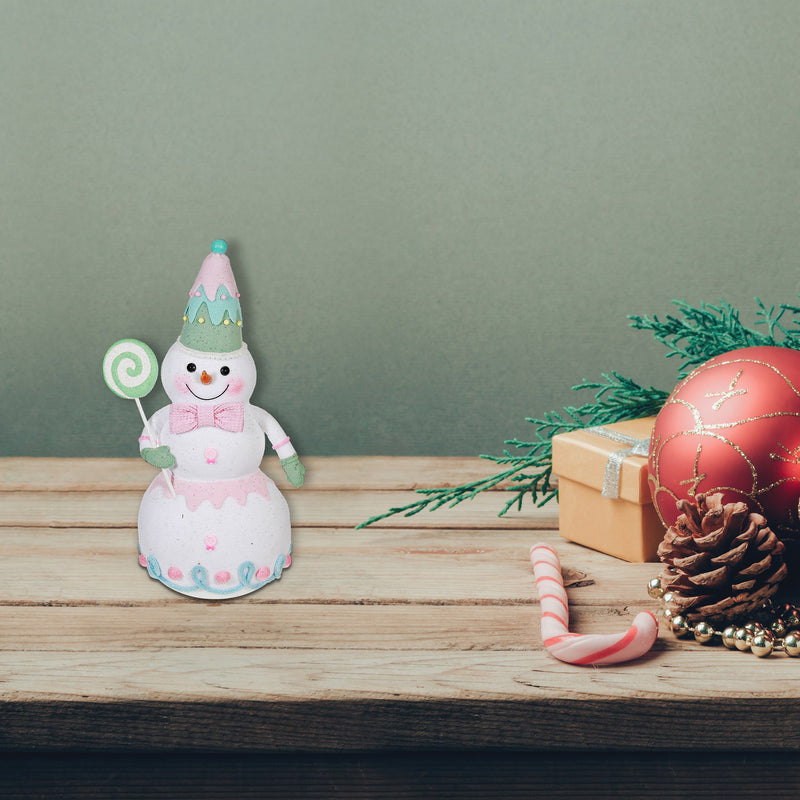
(702, 333)
(620, 398)
(436, 498)
(789, 336)
(711, 330)
(616, 399)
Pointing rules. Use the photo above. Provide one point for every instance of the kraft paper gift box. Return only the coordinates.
(604, 499)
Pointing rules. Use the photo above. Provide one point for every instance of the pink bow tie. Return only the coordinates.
(185, 418)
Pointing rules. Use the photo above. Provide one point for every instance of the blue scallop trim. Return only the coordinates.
(216, 306)
(199, 574)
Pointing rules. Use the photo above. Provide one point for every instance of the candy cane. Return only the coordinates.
(576, 648)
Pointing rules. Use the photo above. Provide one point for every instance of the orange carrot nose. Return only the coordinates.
(205, 378)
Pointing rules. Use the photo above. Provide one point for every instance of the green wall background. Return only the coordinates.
(439, 213)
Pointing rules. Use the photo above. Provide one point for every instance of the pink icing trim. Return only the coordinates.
(223, 576)
(281, 443)
(264, 573)
(174, 573)
(142, 561)
(216, 492)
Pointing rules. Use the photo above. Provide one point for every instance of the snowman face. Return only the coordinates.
(191, 377)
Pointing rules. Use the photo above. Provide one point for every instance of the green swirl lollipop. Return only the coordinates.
(130, 370)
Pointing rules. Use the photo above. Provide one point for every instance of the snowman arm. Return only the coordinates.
(157, 424)
(272, 430)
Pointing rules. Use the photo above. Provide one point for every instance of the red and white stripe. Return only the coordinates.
(576, 648)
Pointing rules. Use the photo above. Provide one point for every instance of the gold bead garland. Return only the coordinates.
(779, 632)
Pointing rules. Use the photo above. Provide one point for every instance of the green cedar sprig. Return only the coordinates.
(711, 330)
(616, 398)
(695, 336)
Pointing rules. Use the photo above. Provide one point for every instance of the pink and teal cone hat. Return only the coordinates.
(212, 322)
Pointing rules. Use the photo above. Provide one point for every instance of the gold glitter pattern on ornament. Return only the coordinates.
(791, 457)
(731, 391)
(744, 360)
(697, 477)
(698, 420)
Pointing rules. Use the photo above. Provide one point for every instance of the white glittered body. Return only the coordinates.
(227, 531)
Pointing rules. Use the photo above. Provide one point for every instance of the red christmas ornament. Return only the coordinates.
(732, 426)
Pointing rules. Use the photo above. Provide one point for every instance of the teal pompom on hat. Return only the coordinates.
(212, 322)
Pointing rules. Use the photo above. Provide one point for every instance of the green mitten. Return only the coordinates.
(158, 456)
(294, 470)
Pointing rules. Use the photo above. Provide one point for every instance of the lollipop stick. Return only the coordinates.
(167, 474)
(130, 369)
(144, 419)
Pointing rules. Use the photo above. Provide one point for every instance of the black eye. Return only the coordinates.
(224, 370)
(191, 367)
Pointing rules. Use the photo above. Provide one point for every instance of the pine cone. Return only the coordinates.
(722, 561)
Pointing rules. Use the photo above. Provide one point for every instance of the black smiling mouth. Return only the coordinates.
(207, 398)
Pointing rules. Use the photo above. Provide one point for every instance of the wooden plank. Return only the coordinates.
(715, 676)
(97, 629)
(96, 566)
(378, 724)
(115, 509)
(323, 473)
(233, 699)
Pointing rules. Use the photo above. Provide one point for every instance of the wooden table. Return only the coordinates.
(400, 660)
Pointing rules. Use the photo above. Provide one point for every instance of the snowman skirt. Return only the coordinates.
(215, 539)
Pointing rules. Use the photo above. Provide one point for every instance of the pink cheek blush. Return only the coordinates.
(236, 386)
(181, 382)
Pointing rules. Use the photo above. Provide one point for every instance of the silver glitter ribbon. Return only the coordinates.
(633, 447)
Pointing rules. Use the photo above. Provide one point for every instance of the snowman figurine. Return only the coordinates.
(211, 524)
